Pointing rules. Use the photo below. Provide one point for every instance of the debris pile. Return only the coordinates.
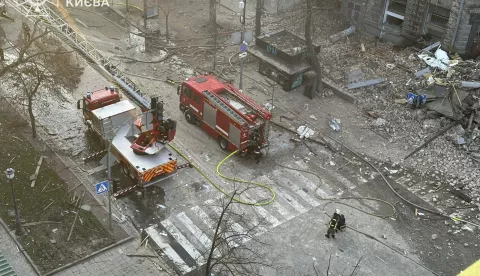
(414, 94)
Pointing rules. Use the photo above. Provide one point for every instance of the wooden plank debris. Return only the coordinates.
(40, 222)
(434, 45)
(45, 186)
(365, 83)
(49, 205)
(76, 215)
(34, 176)
(76, 186)
(470, 84)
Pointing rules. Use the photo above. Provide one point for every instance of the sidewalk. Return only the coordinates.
(115, 262)
(112, 262)
(13, 256)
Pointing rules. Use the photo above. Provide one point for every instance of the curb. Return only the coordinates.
(339, 91)
(21, 249)
(89, 256)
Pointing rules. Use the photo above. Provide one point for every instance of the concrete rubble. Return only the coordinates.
(449, 94)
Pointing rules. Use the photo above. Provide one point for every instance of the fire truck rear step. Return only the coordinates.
(133, 188)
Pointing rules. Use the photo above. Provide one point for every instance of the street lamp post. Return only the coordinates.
(243, 5)
(19, 231)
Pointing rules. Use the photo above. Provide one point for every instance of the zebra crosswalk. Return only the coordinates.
(193, 228)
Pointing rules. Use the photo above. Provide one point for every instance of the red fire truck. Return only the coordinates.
(224, 112)
(137, 141)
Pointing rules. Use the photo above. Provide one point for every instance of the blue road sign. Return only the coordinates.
(243, 47)
(101, 187)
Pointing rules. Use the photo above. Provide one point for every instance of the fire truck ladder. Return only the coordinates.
(263, 113)
(223, 106)
(50, 18)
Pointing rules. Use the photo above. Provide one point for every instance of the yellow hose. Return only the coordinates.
(235, 199)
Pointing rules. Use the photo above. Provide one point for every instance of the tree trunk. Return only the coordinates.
(258, 18)
(215, 34)
(213, 13)
(144, 13)
(315, 63)
(167, 34)
(32, 117)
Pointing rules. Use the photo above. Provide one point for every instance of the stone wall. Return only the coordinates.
(271, 6)
(464, 27)
(414, 18)
(374, 10)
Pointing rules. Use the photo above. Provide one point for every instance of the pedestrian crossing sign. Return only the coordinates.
(101, 187)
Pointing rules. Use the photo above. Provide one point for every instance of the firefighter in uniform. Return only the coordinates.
(333, 224)
(257, 153)
(341, 223)
(26, 31)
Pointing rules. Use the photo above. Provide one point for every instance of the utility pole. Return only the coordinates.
(145, 14)
(258, 18)
(109, 178)
(242, 38)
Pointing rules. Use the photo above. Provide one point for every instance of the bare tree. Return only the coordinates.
(355, 271)
(229, 254)
(212, 20)
(258, 18)
(25, 50)
(166, 11)
(213, 27)
(318, 84)
(43, 65)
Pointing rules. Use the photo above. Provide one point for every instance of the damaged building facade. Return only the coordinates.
(455, 23)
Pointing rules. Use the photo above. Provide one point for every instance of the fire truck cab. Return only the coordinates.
(96, 100)
(224, 112)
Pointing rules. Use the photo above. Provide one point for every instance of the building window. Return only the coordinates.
(395, 12)
(436, 21)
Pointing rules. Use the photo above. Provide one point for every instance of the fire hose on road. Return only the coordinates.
(220, 189)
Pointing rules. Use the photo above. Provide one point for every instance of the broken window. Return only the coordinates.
(395, 12)
(436, 21)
